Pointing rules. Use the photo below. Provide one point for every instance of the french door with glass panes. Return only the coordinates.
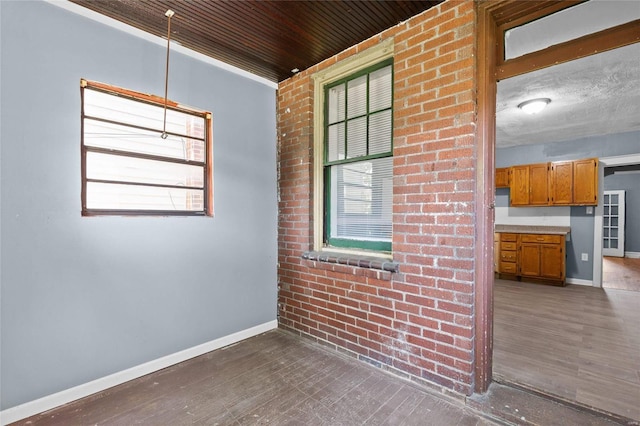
(613, 224)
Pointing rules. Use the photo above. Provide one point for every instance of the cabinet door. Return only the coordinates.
(585, 182)
(519, 185)
(562, 183)
(539, 184)
(502, 177)
(552, 261)
(530, 260)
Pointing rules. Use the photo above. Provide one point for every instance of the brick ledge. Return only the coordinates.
(369, 262)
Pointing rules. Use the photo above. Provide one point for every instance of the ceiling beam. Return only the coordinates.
(609, 39)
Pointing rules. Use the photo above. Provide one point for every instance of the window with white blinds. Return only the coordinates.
(132, 163)
(358, 159)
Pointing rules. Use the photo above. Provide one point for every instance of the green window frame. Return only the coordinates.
(358, 159)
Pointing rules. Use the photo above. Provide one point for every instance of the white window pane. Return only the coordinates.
(134, 197)
(357, 137)
(380, 89)
(128, 111)
(357, 97)
(361, 200)
(125, 138)
(336, 104)
(380, 132)
(614, 198)
(127, 169)
(613, 243)
(335, 142)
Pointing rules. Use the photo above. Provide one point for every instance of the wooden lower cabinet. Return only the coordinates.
(536, 257)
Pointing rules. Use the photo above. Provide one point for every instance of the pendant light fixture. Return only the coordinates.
(169, 14)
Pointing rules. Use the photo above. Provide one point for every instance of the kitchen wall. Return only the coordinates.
(86, 297)
(581, 238)
(630, 183)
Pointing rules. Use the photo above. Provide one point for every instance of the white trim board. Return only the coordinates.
(620, 160)
(95, 16)
(46, 403)
(632, 254)
(578, 281)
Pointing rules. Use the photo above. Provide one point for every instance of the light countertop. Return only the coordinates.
(536, 229)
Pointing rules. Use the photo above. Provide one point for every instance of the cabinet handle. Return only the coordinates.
(540, 239)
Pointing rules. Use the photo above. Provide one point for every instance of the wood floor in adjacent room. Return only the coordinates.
(622, 273)
(276, 378)
(576, 342)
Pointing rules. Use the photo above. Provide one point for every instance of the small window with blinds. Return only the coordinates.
(137, 162)
(358, 162)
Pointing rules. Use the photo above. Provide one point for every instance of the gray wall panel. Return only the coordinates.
(83, 298)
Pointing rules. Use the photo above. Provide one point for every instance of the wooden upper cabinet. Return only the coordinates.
(530, 185)
(519, 185)
(502, 177)
(539, 184)
(561, 184)
(585, 182)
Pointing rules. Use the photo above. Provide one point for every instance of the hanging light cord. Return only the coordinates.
(169, 13)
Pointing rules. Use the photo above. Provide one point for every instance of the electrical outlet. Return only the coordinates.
(589, 209)
(585, 257)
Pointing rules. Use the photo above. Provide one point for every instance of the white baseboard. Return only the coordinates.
(46, 403)
(632, 254)
(578, 281)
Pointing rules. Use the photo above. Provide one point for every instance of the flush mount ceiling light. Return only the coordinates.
(534, 106)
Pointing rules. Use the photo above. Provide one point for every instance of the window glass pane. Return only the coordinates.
(125, 138)
(134, 197)
(614, 198)
(380, 89)
(380, 132)
(336, 104)
(128, 169)
(357, 97)
(606, 199)
(614, 210)
(128, 111)
(614, 221)
(357, 137)
(335, 139)
(361, 200)
(613, 244)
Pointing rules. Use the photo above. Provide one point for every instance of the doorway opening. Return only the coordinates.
(532, 352)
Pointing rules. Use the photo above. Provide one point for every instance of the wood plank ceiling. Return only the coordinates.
(265, 37)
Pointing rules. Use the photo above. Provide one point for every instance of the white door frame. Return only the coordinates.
(621, 160)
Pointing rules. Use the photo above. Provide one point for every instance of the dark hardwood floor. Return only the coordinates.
(276, 378)
(622, 273)
(578, 343)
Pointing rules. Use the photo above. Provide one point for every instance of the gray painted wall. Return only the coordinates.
(631, 184)
(581, 223)
(83, 298)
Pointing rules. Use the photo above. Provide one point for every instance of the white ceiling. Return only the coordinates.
(592, 96)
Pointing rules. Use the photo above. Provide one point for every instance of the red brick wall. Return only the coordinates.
(418, 321)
